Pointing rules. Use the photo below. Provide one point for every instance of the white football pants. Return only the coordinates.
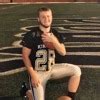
(57, 71)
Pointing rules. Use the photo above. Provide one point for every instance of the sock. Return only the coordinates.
(72, 95)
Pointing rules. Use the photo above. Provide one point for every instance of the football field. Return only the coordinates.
(79, 23)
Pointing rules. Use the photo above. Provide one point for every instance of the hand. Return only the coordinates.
(35, 80)
(49, 37)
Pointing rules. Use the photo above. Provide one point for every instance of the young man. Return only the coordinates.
(39, 46)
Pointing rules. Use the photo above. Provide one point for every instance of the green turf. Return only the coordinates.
(10, 23)
(88, 89)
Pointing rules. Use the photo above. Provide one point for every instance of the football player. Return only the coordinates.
(38, 52)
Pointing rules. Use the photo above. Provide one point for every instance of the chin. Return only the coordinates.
(46, 26)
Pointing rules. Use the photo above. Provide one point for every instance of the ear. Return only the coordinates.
(38, 19)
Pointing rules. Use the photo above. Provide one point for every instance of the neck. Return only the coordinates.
(45, 30)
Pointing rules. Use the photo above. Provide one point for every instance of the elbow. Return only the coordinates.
(63, 53)
(23, 56)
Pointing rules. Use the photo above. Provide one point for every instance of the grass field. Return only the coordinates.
(80, 25)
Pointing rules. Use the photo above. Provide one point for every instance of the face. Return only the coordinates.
(45, 18)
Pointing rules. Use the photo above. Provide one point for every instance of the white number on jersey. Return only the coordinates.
(44, 59)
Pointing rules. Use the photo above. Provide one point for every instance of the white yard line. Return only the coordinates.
(12, 71)
(19, 34)
(9, 7)
(17, 43)
(82, 43)
(82, 24)
(86, 28)
(84, 53)
(92, 20)
(10, 47)
(10, 59)
(81, 46)
(86, 36)
(89, 66)
(10, 54)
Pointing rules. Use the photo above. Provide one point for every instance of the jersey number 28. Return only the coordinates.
(44, 59)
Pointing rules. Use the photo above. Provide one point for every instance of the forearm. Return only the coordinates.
(31, 71)
(60, 48)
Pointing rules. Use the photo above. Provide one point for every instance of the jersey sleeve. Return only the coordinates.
(59, 36)
(27, 41)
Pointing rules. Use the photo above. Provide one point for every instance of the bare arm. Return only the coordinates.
(58, 46)
(25, 55)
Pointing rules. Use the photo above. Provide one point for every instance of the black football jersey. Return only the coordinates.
(41, 57)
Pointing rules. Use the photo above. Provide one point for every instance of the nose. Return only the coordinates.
(46, 18)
